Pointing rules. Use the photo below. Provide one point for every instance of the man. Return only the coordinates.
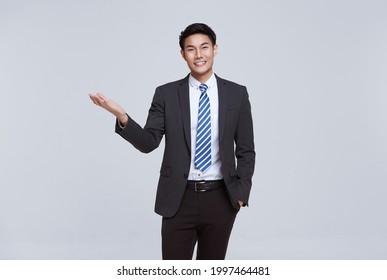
(209, 155)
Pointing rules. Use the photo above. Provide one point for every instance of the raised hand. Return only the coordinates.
(100, 100)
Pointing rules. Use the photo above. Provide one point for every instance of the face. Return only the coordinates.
(199, 54)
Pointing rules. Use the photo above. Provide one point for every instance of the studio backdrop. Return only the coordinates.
(70, 188)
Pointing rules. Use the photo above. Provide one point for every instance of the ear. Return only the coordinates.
(183, 54)
(215, 49)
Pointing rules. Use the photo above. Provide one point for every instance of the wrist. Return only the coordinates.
(123, 119)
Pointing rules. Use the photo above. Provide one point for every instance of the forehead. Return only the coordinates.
(196, 40)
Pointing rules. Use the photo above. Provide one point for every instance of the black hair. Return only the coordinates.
(197, 28)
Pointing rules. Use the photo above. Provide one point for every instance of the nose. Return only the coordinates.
(198, 54)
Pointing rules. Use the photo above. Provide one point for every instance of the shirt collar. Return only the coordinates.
(195, 83)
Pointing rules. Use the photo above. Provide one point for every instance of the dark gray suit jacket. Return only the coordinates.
(169, 115)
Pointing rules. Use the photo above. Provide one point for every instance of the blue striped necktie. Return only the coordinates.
(203, 137)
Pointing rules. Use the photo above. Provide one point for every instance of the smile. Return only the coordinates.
(200, 63)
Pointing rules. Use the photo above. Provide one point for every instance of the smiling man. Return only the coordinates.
(208, 164)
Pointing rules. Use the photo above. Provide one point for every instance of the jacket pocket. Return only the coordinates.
(165, 171)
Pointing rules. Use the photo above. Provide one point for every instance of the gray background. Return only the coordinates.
(316, 72)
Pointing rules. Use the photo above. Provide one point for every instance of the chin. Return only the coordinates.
(201, 71)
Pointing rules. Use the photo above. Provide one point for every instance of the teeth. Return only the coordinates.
(200, 63)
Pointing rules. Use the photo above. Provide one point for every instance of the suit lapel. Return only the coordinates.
(223, 99)
(185, 110)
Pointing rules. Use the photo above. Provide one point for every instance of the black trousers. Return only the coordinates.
(205, 218)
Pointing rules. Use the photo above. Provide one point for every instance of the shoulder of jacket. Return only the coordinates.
(228, 82)
(174, 83)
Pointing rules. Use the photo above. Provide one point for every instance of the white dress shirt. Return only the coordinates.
(213, 172)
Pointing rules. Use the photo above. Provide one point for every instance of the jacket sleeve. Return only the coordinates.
(148, 138)
(244, 149)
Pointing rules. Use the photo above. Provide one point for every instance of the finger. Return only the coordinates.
(94, 99)
(100, 99)
(101, 96)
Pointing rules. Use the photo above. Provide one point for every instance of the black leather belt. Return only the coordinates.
(205, 186)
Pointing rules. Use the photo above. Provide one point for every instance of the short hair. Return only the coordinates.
(197, 28)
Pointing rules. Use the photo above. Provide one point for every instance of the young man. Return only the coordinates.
(209, 154)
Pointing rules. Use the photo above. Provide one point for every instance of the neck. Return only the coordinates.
(202, 78)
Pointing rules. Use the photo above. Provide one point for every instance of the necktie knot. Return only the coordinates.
(203, 88)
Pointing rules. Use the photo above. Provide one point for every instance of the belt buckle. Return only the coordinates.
(199, 183)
